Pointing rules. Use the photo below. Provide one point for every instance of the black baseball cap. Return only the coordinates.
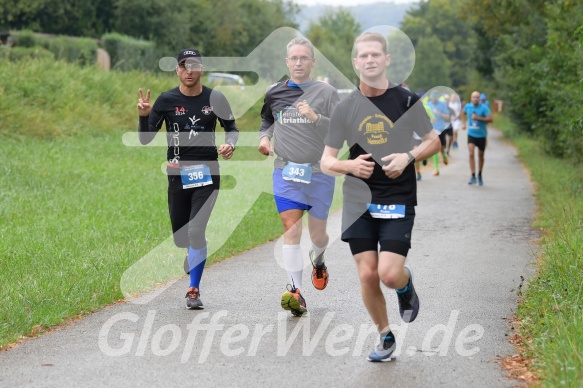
(189, 53)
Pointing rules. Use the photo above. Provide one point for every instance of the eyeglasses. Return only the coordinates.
(301, 59)
(190, 66)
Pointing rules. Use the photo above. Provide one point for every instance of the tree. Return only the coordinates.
(537, 65)
(219, 27)
(441, 18)
(402, 54)
(431, 65)
(333, 35)
(66, 17)
(240, 26)
(160, 21)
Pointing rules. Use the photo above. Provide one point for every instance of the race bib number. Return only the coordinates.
(297, 172)
(386, 211)
(195, 176)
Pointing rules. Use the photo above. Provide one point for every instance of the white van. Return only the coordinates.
(225, 79)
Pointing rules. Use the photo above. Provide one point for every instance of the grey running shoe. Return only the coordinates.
(383, 350)
(193, 301)
(472, 181)
(408, 301)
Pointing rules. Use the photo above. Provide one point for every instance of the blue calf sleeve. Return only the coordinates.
(196, 262)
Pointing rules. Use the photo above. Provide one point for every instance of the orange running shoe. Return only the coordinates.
(319, 273)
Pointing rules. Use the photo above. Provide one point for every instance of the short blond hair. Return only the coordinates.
(370, 37)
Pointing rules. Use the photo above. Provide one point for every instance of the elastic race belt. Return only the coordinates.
(281, 163)
(190, 162)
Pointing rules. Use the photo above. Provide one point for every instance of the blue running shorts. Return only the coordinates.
(315, 197)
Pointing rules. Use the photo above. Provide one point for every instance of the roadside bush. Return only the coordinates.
(130, 54)
(26, 53)
(25, 38)
(74, 50)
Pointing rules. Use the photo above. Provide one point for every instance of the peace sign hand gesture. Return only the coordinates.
(144, 107)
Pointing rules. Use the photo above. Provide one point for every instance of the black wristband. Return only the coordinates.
(410, 159)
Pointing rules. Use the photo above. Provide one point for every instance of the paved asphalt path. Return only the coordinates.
(471, 246)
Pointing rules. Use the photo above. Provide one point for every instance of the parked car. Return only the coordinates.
(225, 79)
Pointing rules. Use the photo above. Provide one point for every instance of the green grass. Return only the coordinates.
(75, 212)
(83, 217)
(551, 314)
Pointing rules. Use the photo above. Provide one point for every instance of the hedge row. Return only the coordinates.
(126, 53)
(70, 49)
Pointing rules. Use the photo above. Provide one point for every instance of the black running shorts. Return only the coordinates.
(358, 224)
(479, 142)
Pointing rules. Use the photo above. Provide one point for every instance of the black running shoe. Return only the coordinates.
(409, 301)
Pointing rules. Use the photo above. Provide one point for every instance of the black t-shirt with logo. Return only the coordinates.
(190, 123)
(381, 126)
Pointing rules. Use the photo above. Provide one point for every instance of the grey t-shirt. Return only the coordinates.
(297, 139)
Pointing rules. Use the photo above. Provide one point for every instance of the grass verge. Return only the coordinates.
(551, 313)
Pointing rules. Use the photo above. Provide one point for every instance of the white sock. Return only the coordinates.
(318, 257)
(294, 264)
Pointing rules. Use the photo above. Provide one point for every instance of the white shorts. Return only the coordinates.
(457, 124)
